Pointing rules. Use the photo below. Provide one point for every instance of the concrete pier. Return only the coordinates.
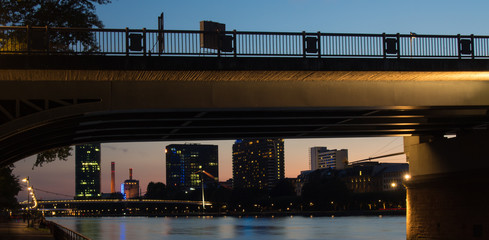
(447, 194)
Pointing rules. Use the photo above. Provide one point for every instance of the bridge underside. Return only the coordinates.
(42, 107)
(210, 124)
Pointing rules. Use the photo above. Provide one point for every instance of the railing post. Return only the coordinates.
(383, 45)
(458, 47)
(304, 44)
(473, 45)
(144, 41)
(127, 41)
(219, 41)
(47, 40)
(235, 43)
(28, 40)
(398, 36)
(319, 44)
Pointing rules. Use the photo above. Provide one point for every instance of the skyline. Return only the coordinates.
(148, 162)
(348, 16)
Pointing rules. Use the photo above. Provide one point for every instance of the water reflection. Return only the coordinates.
(113, 228)
(122, 231)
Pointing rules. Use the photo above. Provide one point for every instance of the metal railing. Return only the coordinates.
(60, 232)
(144, 42)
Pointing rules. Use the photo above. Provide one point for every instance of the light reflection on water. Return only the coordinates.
(142, 228)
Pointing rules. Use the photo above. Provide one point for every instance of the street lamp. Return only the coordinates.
(30, 192)
(26, 180)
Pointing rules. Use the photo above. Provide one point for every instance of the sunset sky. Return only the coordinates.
(337, 16)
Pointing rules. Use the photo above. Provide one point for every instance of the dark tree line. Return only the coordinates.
(52, 13)
(10, 187)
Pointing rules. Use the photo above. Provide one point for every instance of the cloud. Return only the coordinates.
(113, 148)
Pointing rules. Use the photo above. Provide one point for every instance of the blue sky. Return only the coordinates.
(348, 16)
(338, 16)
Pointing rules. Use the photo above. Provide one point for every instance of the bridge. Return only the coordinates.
(107, 207)
(149, 85)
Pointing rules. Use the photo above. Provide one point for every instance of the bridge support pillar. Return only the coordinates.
(448, 193)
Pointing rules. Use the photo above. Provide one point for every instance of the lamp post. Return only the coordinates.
(30, 193)
(413, 36)
(26, 180)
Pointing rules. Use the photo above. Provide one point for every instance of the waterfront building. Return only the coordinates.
(302, 179)
(87, 171)
(185, 164)
(130, 187)
(364, 177)
(322, 157)
(394, 175)
(361, 177)
(375, 176)
(258, 163)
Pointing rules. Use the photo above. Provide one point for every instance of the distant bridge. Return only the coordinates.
(139, 201)
(119, 206)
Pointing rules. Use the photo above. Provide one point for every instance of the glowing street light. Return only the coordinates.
(30, 191)
(393, 184)
(407, 177)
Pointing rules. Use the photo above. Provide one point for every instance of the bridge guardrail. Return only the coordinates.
(144, 42)
(60, 232)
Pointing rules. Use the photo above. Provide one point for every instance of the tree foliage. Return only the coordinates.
(61, 153)
(52, 13)
(156, 191)
(10, 188)
(284, 187)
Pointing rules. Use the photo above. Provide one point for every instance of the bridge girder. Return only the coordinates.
(50, 107)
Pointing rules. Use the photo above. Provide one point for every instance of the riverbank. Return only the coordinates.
(16, 229)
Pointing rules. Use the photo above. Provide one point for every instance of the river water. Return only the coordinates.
(278, 228)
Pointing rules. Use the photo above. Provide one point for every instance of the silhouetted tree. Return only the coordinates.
(284, 187)
(326, 191)
(61, 153)
(51, 13)
(10, 187)
(156, 191)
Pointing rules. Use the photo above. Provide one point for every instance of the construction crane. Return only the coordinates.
(209, 175)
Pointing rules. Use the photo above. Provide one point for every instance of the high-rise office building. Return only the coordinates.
(258, 163)
(130, 187)
(322, 157)
(185, 163)
(87, 171)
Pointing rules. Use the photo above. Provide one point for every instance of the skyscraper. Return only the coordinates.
(258, 163)
(322, 157)
(185, 163)
(87, 171)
